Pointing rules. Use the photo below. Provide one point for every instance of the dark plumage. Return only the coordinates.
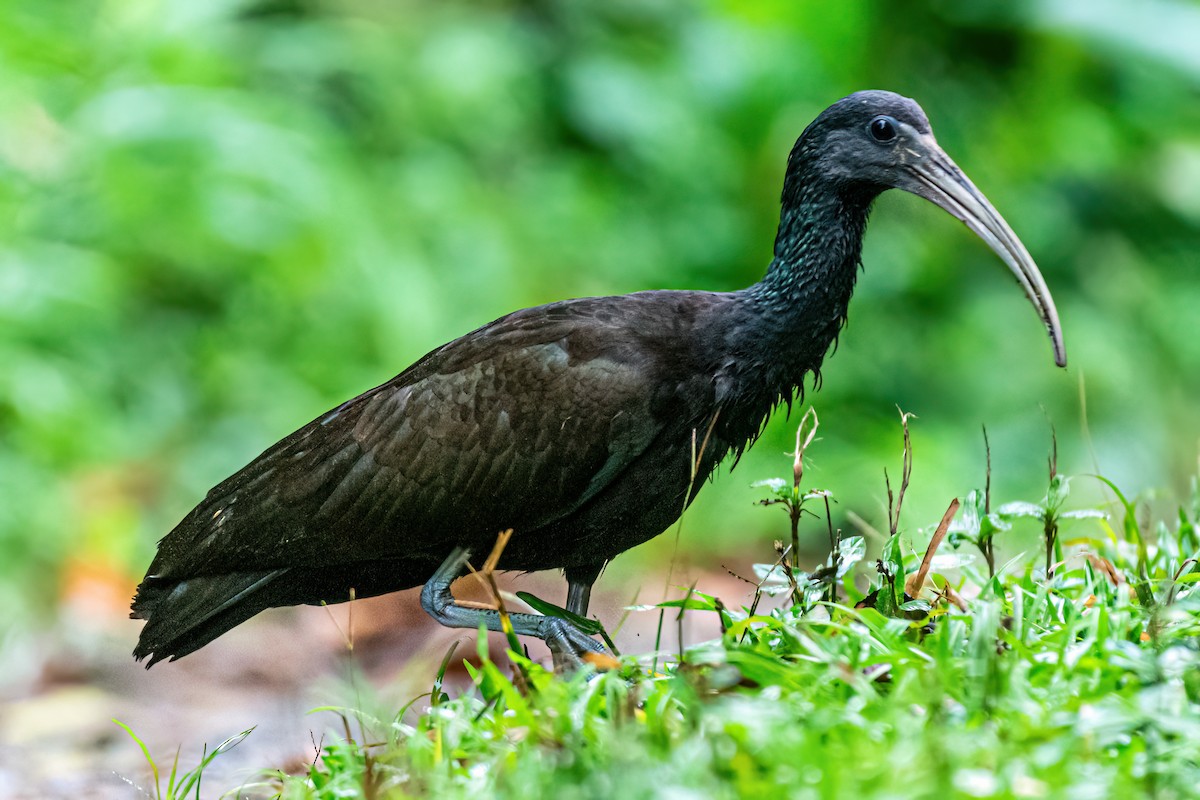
(571, 423)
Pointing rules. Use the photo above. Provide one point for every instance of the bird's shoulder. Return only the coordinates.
(619, 327)
(572, 374)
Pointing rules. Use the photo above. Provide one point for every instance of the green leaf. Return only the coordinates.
(945, 561)
(892, 551)
(1083, 513)
(967, 521)
(851, 550)
(1195, 498)
(689, 603)
(781, 490)
(1019, 509)
(736, 630)
(992, 524)
(776, 573)
(1188, 536)
(145, 754)
(761, 668)
(1129, 526)
(589, 626)
(1060, 489)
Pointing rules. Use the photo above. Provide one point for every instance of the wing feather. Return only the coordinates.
(473, 438)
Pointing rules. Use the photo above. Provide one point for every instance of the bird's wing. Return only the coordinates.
(514, 425)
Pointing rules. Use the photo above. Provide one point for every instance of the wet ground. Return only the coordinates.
(61, 690)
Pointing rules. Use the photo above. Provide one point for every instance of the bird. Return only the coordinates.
(584, 426)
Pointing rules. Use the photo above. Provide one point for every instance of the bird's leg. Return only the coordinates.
(579, 587)
(566, 642)
(579, 593)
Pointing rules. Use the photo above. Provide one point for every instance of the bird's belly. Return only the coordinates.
(639, 505)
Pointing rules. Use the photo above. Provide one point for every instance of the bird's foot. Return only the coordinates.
(568, 645)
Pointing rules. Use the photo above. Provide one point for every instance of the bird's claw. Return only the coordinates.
(568, 645)
(562, 635)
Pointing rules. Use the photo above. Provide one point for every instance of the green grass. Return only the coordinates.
(180, 785)
(1081, 684)
(1036, 691)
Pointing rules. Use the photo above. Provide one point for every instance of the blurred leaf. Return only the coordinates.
(1083, 513)
(1019, 509)
(1060, 489)
(944, 561)
(852, 549)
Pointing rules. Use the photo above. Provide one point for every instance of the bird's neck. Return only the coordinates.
(792, 316)
(800, 305)
(784, 324)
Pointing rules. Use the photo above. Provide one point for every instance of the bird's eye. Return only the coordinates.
(883, 129)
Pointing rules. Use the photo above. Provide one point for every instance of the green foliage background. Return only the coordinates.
(220, 218)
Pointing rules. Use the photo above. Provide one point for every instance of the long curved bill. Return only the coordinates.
(939, 180)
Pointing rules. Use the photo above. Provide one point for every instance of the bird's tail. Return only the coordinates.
(184, 615)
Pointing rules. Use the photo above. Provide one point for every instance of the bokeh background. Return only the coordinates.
(219, 219)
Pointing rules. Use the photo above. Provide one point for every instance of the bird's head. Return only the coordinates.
(874, 140)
